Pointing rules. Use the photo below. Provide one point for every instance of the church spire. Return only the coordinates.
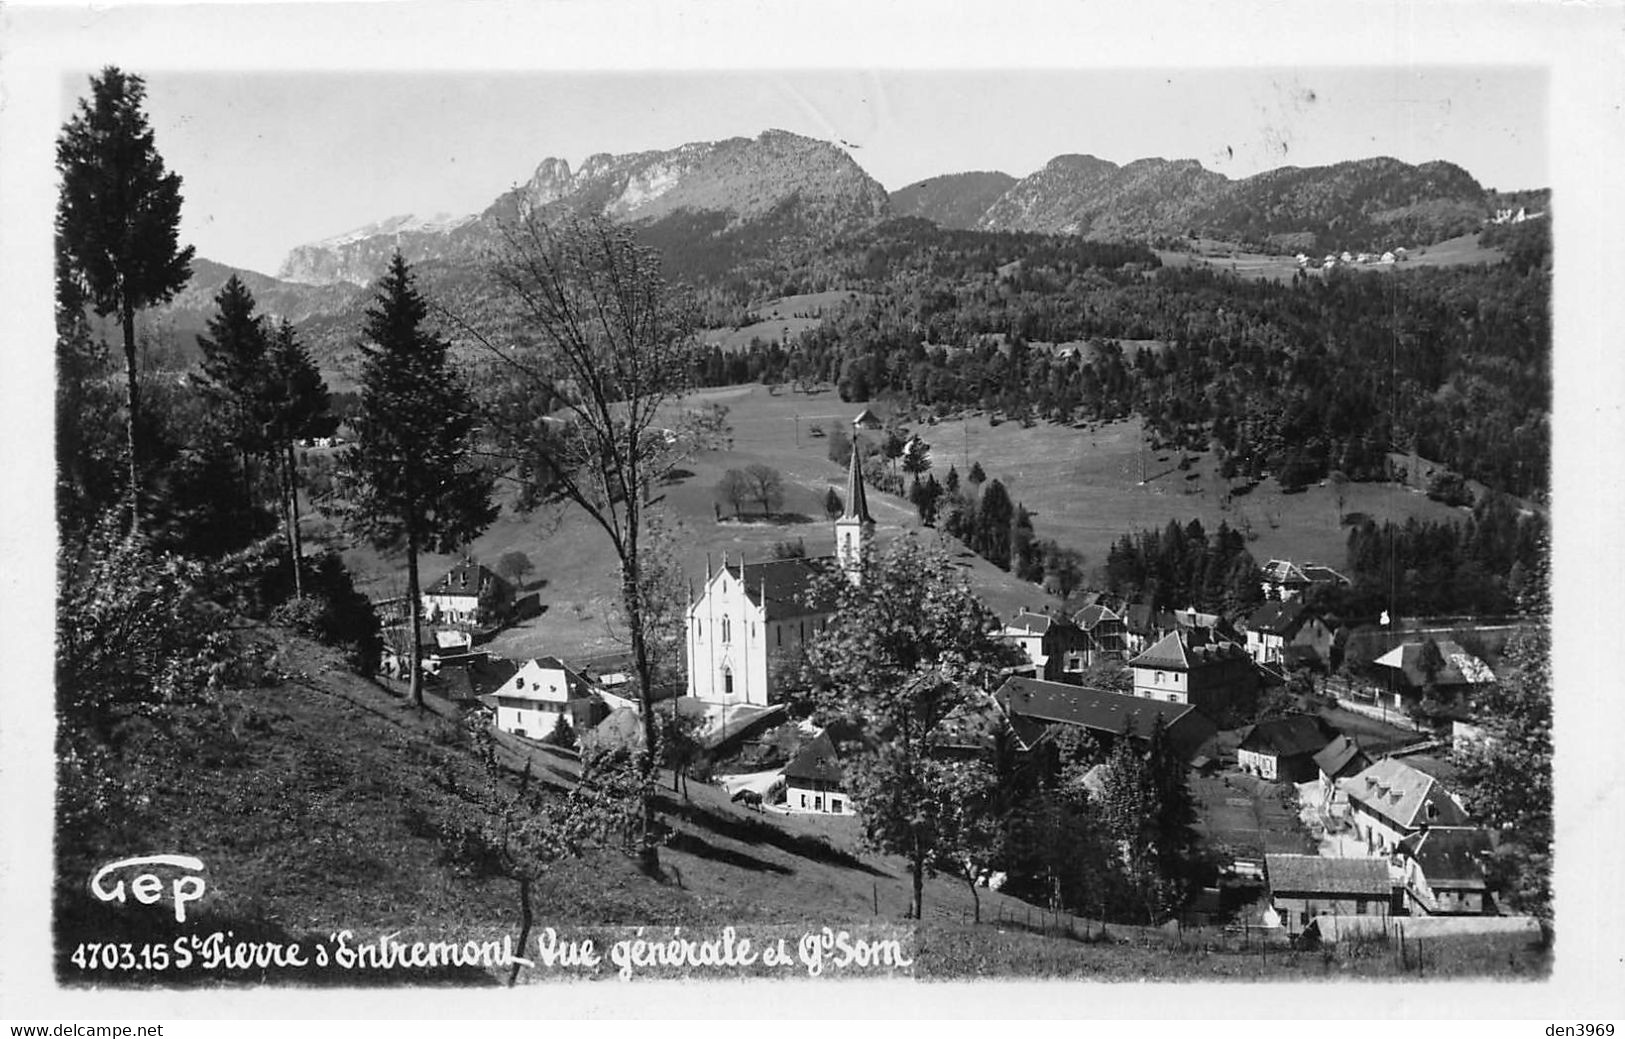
(856, 528)
(857, 506)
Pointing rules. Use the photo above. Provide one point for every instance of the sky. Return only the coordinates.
(271, 160)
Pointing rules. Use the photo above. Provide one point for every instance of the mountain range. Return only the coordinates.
(713, 207)
(740, 182)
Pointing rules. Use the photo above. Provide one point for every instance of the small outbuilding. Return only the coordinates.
(1303, 887)
(1283, 749)
(813, 781)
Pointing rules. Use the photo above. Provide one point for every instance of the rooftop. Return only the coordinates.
(1185, 651)
(1450, 855)
(1031, 703)
(468, 578)
(816, 761)
(786, 588)
(1277, 618)
(1410, 798)
(1316, 874)
(1287, 736)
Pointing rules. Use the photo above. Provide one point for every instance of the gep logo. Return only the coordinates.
(148, 888)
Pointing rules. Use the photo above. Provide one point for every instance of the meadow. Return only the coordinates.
(1081, 485)
(1463, 249)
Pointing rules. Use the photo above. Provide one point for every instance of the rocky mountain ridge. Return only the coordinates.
(744, 179)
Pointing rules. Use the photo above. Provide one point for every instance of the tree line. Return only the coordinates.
(1293, 380)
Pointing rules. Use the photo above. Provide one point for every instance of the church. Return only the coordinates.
(748, 614)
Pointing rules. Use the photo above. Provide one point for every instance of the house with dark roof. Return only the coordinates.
(1303, 887)
(813, 781)
(465, 681)
(469, 595)
(748, 615)
(1390, 801)
(1444, 871)
(867, 419)
(1283, 749)
(1199, 668)
(1052, 644)
(1287, 581)
(1286, 632)
(1035, 708)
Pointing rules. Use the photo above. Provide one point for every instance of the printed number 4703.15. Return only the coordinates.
(120, 956)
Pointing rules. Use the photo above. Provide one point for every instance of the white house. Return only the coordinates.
(530, 703)
(749, 615)
(469, 594)
(813, 781)
(1390, 801)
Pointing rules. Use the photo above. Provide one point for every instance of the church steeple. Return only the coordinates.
(856, 528)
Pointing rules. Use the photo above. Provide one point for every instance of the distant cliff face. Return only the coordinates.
(744, 179)
(359, 256)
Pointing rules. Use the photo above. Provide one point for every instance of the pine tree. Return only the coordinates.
(118, 223)
(415, 484)
(236, 376)
(296, 400)
(993, 521)
(832, 504)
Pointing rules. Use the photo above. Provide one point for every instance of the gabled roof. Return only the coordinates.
(1186, 651)
(1029, 623)
(1286, 737)
(1400, 793)
(476, 677)
(1460, 666)
(1094, 614)
(1451, 856)
(1340, 754)
(575, 686)
(867, 419)
(1277, 618)
(1286, 572)
(1033, 704)
(786, 588)
(1316, 874)
(816, 761)
(467, 578)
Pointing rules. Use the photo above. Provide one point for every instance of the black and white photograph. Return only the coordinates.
(658, 510)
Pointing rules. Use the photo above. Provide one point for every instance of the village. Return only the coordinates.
(1323, 786)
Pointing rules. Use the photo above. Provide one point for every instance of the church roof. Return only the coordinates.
(787, 587)
(857, 504)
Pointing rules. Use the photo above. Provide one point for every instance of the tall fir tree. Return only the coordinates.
(118, 225)
(235, 374)
(296, 399)
(415, 484)
(993, 520)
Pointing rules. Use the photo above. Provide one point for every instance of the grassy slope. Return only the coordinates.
(1081, 485)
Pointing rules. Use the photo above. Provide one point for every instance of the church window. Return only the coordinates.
(727, 629)
(727, 681)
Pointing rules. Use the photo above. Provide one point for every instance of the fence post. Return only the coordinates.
(877, 897)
